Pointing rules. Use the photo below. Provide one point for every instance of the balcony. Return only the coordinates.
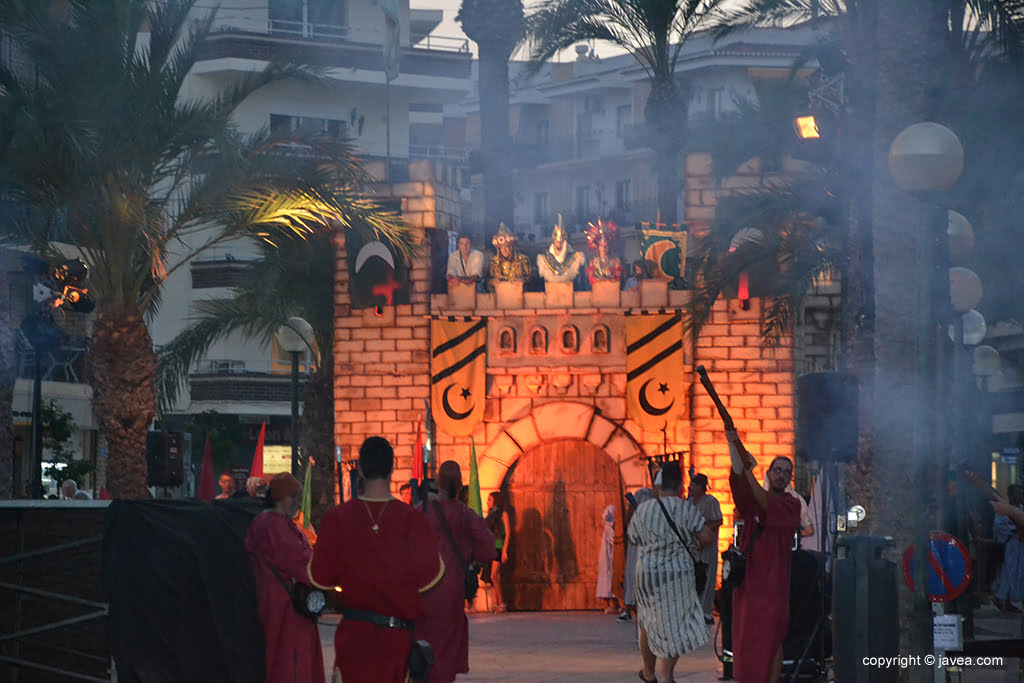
(330, 46)
(245, 381)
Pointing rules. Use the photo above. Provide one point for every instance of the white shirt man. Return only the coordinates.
(465, 264)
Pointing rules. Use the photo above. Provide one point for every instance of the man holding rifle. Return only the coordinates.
(760, 617)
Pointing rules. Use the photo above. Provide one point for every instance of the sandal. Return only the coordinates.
(640, 673)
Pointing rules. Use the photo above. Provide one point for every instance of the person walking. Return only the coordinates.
(499, 525)
(708, 506)
(384, 556)
(465, 543)
(280, 554)
(604, 562)
(669, 612)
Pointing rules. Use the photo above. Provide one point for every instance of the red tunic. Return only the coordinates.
(445, 625)
(385, 572)
(760, 607)
(293, 651)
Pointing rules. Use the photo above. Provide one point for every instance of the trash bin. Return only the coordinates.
(865, 612)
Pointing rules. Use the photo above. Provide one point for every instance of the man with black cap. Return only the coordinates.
(280, 554)
(383, 555)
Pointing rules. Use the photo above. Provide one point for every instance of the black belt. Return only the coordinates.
(374, 618)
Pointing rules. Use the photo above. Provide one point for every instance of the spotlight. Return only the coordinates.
(806, 127)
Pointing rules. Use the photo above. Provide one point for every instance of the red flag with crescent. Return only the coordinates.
(458, 373)
(654, 369)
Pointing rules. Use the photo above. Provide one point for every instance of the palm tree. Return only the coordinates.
(496, 26)
(777, 235)
(295, 276)
(654, 31)
(141, 180)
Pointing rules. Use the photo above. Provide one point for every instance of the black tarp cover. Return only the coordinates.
(183, 601)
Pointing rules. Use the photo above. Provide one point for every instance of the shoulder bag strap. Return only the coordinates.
(451, 538)
(679, 535)
(279, 578)
(753, 538)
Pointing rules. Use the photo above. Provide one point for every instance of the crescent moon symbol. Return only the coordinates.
(372, 249)
(646, 405)
(452, 413)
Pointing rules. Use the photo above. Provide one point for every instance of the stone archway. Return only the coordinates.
(529, 448)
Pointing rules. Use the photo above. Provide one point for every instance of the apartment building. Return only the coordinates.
(578, 134)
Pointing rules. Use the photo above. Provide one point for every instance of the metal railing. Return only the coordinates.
(437, 152)
(444, 44)
(241, 368)
(306, 29)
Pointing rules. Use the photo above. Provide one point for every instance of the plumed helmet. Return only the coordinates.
(503, 236)
(558, 232)
(602, 230)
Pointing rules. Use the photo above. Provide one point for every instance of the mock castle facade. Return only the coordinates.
(565, 395)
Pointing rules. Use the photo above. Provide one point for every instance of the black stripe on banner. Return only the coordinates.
(447, 372)
(650, 336)
(455, 341)
(633, 374)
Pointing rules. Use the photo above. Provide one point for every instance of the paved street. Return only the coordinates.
(550, 647)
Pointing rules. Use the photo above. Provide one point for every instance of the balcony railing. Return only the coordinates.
(437, 152)
(242, 368)
(307, 29)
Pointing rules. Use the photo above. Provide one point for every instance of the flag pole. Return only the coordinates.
(387, 128)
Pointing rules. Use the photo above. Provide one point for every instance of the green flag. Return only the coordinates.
(307, 499)
(474, 483)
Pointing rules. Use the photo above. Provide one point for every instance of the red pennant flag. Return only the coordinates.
(417, 456)
(257, 460)
(104, 494)
(206, 487)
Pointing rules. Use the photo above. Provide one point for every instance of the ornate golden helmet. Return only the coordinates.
(503, 236)
(558, 232)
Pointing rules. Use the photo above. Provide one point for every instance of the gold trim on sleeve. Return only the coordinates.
(437, 578)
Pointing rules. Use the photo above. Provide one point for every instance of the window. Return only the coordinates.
(715, 101)
(582, 201)
(600, 340)
(570, 339)
(541, 211)
(543, 132)
(507, 341)
(309, 126)
(622, 195)
(538, 340)
(623, 119)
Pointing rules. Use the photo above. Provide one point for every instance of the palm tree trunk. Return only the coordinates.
(911, 46)
(495, 144)
(666, 115)
(123, 366)
(8, 375)
(317, 436)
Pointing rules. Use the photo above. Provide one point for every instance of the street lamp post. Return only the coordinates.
(926, 159)
(295, 337)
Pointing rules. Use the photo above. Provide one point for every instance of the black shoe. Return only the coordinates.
(624, 617)
(709, 621)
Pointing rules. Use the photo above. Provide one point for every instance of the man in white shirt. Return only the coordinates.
(465, 264)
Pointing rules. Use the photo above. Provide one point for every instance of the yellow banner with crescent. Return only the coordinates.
(654, 369)
(458, 374)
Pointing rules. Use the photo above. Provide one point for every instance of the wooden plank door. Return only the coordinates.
(557, 493)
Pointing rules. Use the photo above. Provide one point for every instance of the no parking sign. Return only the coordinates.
(949, 563)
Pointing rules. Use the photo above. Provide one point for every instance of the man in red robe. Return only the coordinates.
(445, 625)
(383, 555)
(280, 554)
(760, 615)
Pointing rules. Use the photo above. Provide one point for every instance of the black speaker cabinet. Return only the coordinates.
(826, 416)
(165, 456)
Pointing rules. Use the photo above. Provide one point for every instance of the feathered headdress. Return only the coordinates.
(558, 232)
(600, 231)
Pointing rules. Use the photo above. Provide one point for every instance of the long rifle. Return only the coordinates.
(724, 413)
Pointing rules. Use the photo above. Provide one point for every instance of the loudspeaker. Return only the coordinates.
(165, 453)
(826, 416)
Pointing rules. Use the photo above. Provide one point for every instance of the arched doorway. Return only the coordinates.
(558, 491)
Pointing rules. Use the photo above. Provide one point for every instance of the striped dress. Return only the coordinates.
(667, 604)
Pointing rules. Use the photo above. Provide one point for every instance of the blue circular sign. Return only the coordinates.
(949, 567)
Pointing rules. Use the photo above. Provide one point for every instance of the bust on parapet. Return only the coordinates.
(507, 265)
(603, 266)
(559, 263)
